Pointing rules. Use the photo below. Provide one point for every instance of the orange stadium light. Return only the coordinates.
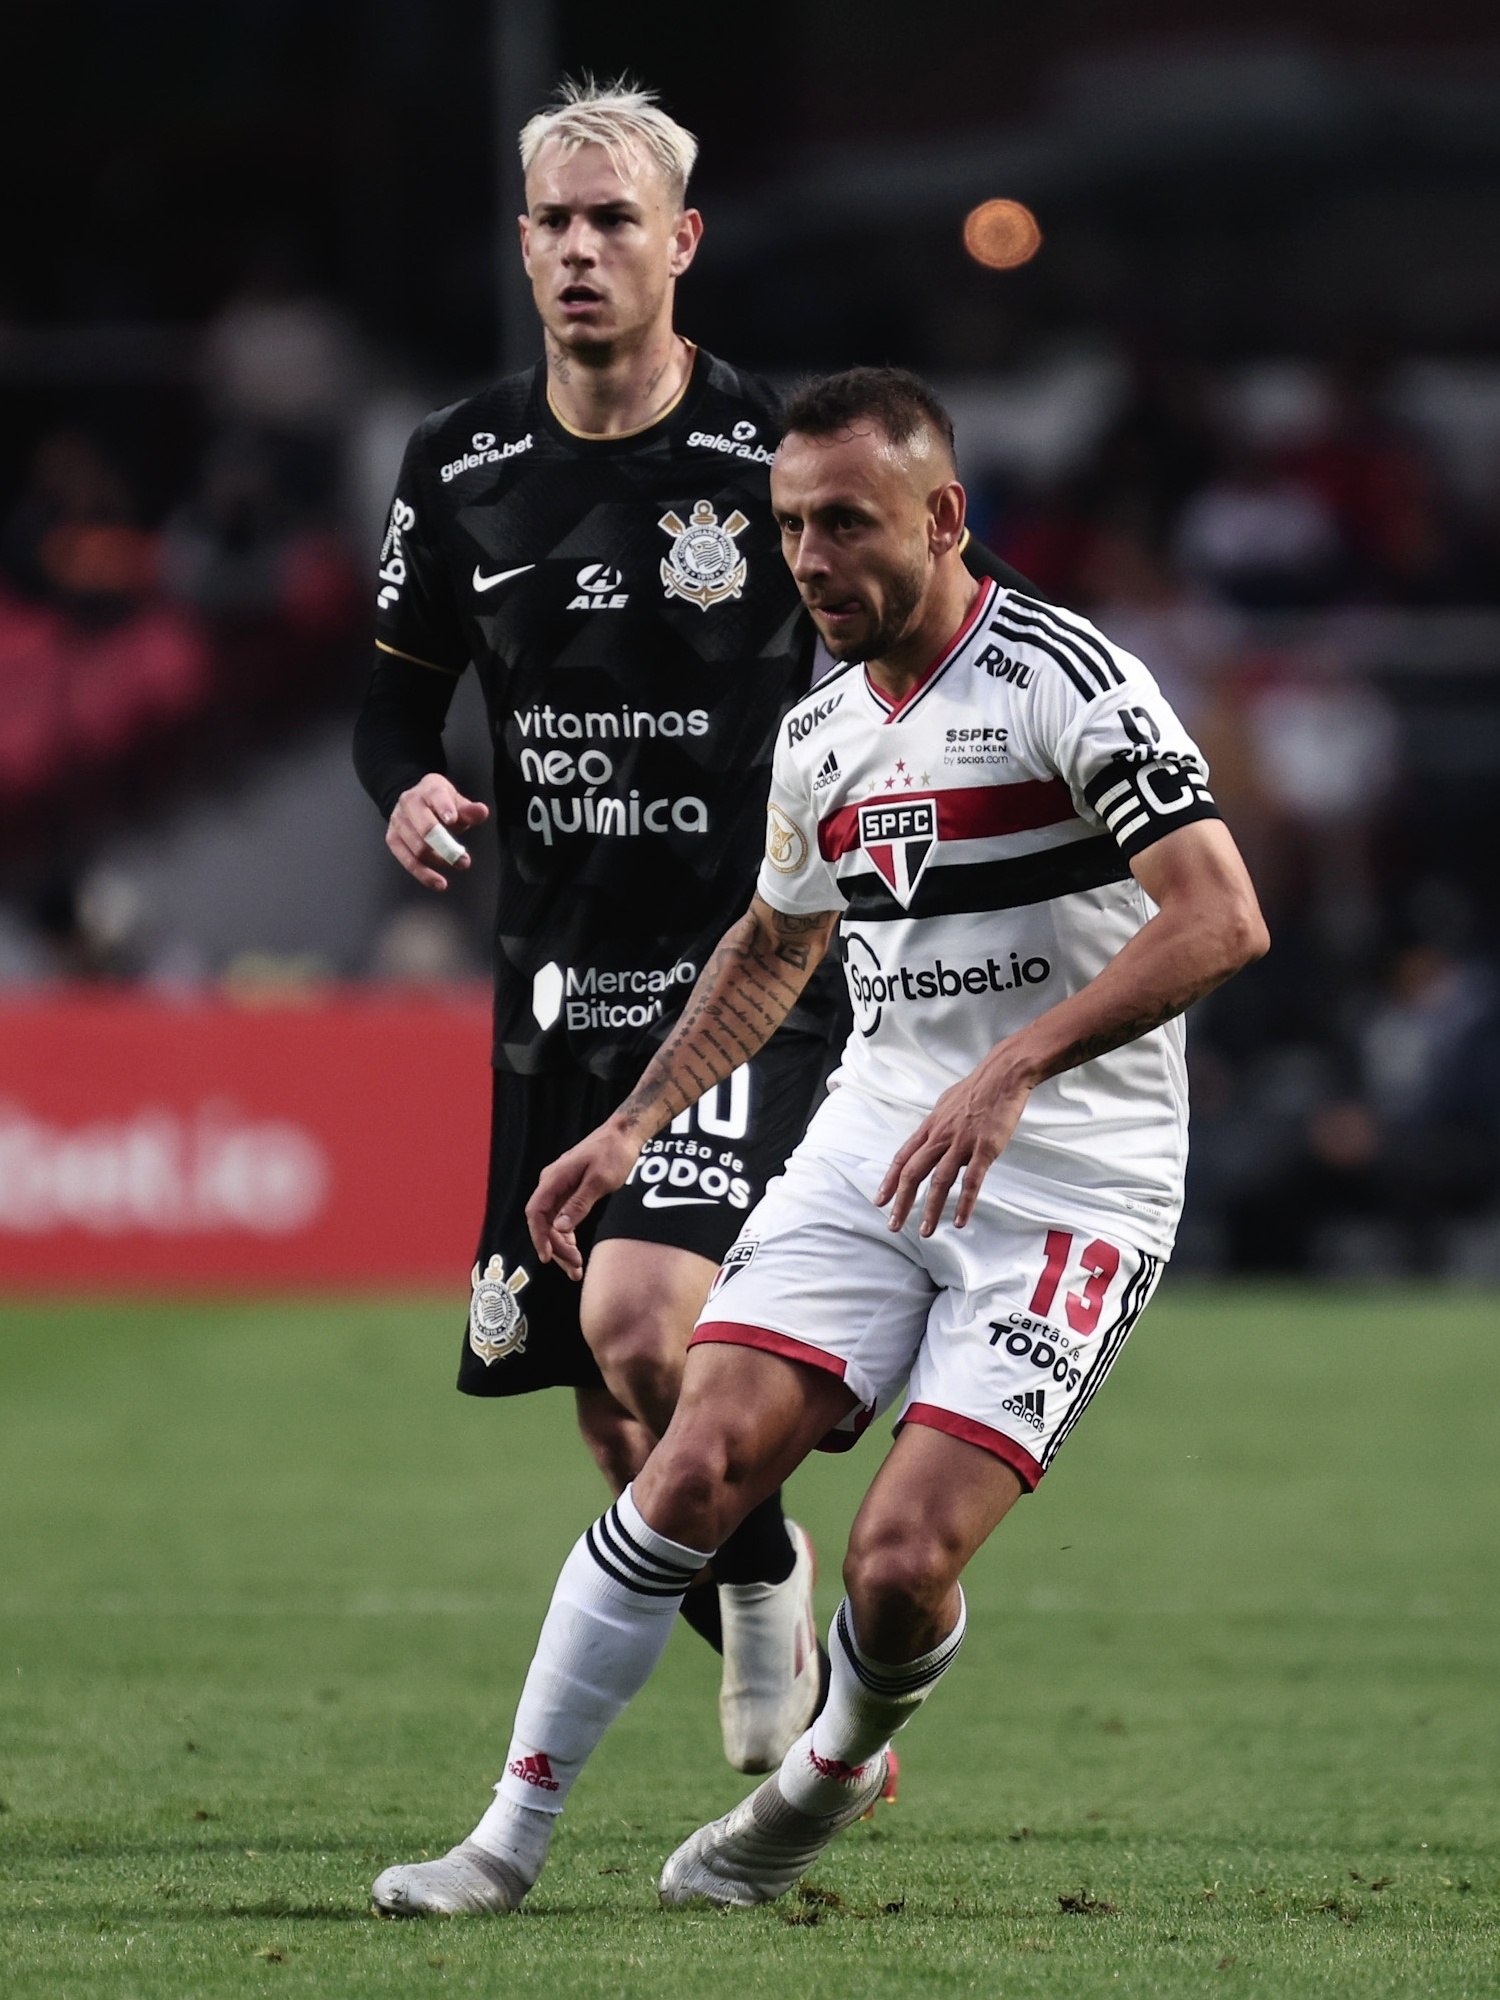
(1001, 234)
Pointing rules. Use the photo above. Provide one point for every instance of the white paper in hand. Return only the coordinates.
(444, 846)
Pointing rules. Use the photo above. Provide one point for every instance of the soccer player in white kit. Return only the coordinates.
(1014, 835)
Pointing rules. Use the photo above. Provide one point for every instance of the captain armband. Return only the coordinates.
(1142, 801)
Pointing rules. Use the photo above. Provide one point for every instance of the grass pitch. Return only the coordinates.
(1226, 1721)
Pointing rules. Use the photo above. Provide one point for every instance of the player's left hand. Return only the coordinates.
(965, 1132)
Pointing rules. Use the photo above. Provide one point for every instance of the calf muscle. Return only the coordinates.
(932, 1506)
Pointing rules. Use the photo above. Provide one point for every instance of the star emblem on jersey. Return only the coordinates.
(704, 566)
(899, 839)
(497, 1326)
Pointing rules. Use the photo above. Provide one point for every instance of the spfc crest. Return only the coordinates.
(899, 840)
(736, 1257)
(497, 1326)
(704, 565)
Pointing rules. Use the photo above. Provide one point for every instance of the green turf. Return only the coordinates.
(1226, 1721)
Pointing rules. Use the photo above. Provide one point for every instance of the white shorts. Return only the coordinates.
(1001, 1331)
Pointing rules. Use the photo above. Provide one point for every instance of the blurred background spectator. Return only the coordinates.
(1243, 408)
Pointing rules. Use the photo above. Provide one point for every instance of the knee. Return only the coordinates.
(900, 1573)
(696, 1487)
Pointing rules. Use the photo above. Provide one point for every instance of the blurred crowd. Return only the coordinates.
(1276, 562)
(1290, 490)
(1278, 576)
(131, 646)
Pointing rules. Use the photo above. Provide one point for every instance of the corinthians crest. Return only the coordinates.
(497, 1326)
(704, 565)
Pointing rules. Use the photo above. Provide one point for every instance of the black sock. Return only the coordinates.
(700, 1607)
(760, 1549)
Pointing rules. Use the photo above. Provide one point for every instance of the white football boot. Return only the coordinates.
(465, 1882)
(755, 1853)
(771, 1679)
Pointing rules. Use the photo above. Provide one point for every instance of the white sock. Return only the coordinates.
(611, 1615)
(868, 1701)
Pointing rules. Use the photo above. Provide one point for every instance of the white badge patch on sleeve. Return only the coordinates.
(786, 843)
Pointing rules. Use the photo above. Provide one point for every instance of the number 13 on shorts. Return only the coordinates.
(1016, 1378)
(1099, 1264)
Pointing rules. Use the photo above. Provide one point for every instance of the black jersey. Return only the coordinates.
(638, 638)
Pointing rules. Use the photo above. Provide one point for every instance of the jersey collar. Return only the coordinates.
(895, 711)
(697, 375)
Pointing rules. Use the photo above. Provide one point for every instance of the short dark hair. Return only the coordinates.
(900, 402)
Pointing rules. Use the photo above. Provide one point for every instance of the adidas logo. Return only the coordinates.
(1030, 1406)
(828, 770)
(534, 1771)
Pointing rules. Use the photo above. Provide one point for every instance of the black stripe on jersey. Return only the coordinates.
(1075, 665)
(818, 689)
(1058, 623)
(1137, 1297)
(1142, 802)
(974, 887)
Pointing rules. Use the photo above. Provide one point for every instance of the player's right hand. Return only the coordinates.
(432, 801)
(569, 1188)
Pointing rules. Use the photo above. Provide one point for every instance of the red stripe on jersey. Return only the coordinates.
(1027, 1469)
(894, 709)
(968, 812)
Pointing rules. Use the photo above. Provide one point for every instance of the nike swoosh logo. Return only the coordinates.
(653, 1199)
(489, 582)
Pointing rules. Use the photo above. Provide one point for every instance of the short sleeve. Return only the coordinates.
(415, 614)
(794, 877)
(1100, 721)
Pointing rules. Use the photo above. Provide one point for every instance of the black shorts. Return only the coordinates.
(692, 1188)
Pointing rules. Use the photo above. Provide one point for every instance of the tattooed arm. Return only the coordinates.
(744, 993)
(1208, 924)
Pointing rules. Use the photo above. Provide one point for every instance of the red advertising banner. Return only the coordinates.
(339, 1140)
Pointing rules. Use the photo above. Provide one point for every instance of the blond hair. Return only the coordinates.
(622, 118)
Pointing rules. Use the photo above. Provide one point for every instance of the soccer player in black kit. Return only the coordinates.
(595, 537)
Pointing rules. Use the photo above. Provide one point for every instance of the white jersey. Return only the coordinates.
(976, 838)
